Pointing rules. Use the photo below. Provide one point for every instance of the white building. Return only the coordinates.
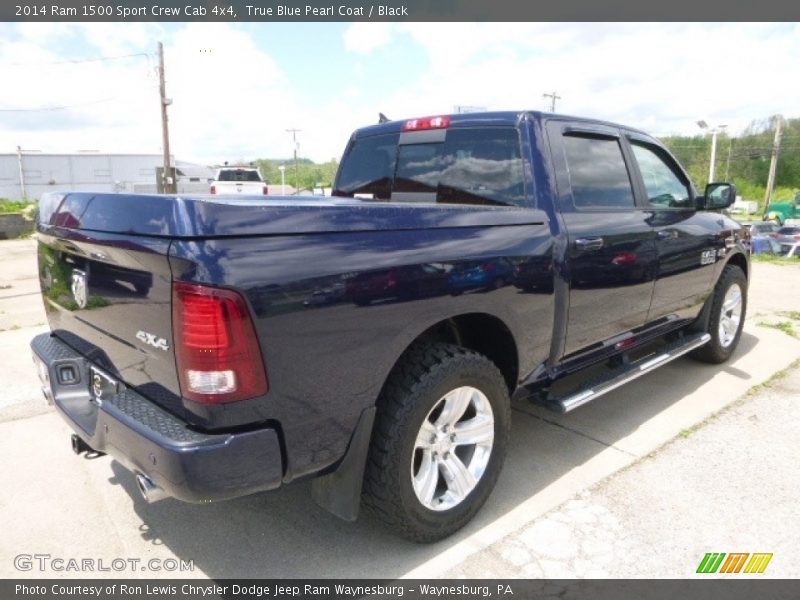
(31, 174)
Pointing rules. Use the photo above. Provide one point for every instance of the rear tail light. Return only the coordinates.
(265, 190)
(426, 123)
(216, 348)
(213, 189)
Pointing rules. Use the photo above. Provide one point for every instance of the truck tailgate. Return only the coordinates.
(108, 296)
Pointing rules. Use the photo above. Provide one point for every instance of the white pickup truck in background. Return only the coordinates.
(239, 180)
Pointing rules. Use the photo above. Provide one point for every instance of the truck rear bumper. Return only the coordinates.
(188, 465)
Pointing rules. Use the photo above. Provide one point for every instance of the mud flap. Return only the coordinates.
(339, 492)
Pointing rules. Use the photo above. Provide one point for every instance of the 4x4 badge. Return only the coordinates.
(151, 340)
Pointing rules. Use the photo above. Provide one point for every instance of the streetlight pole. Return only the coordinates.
(713, 131)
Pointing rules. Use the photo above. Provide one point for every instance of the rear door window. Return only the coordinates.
(597, 172)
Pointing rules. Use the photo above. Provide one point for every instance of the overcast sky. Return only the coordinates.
(236, 88)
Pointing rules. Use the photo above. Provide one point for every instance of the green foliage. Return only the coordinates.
(744, 159)
(308, 174)
(14, 206)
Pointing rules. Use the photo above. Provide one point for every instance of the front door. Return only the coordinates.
(686, 240)
(611, 256)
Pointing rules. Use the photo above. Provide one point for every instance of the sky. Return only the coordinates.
(237, 87)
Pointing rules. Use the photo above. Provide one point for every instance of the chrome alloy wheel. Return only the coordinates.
(452, 448)
(730, 316)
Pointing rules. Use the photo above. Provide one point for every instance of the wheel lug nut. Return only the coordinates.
(453, 437)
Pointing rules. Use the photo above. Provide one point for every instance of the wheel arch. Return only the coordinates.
(740, 260)
(482, 332)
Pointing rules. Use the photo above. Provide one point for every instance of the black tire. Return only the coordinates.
(716, 351)
(418, 384)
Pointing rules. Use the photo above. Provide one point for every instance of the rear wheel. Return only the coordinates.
(728, 309)
(439, 441)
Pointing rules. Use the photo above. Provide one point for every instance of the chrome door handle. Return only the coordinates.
(667, 234)
(589, 244)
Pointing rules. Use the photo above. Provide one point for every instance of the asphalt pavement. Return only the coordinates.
(624, 486)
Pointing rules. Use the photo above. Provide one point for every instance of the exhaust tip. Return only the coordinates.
(78, 445)
(149, 490)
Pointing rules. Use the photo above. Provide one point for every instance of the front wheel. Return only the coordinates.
(728, 309)
(439, 441)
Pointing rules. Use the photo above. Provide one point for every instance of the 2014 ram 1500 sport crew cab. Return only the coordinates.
(373, 341)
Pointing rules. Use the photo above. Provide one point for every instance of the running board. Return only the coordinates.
(627, 372)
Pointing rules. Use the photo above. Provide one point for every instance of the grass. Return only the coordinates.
(775, 260)
(794, 315)
(786, 327)
(753, 391)
(13, 206)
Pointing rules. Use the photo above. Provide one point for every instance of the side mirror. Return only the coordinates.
(718, 195)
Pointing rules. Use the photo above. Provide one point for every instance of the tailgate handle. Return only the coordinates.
(589, 244)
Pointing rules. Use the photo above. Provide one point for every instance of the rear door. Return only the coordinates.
(611, 256)
(686, 240)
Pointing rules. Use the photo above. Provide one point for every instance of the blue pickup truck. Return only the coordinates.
(373, 341)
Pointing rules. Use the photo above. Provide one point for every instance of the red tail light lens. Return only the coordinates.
(265, 191)
(213, 189)
(216, 348)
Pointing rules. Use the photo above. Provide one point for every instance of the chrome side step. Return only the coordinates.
(628, 372)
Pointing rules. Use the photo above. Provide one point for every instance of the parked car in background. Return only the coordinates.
(789, 239)
(759, 238)
(239, 180)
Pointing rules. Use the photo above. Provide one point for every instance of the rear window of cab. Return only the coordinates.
(476, 165)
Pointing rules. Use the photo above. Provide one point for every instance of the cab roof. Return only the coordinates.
(489, 118)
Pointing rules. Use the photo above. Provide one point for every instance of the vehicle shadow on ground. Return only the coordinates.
(283, 534)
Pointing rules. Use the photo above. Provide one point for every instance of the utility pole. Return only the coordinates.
(294, 133)
(553, 97)
(773, 165)
(168, 184)
(21, 173)
(728, 162)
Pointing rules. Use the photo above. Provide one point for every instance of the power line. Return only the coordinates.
(64, 107)
(80, 60)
